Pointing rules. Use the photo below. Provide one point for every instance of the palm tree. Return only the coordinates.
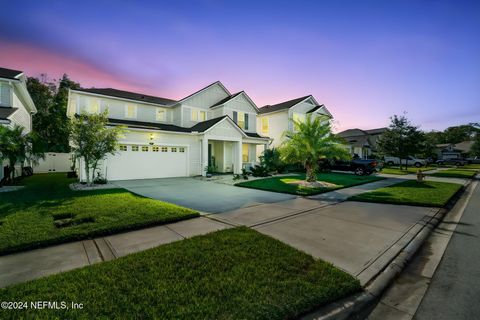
(16, 147)
(310, 141)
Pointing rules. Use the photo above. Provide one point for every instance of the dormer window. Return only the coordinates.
(265, 125)
(130, 111)
(241, 119)
(161, 114)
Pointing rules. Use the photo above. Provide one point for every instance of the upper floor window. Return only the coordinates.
(241, 119)
(130, 111)
(199, 115)
(265, 125)
(93, 105)
(161, 114)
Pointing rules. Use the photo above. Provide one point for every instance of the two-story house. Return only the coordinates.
(173, 138)
(274, 120)
(16, 105)
(362, 143)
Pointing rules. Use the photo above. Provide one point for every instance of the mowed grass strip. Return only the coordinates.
(231, 274)
(427, 193)
(28, 216)
(409, 170)
(455, 173)
(283, 184)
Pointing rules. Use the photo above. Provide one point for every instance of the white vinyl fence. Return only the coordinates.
(54, 162)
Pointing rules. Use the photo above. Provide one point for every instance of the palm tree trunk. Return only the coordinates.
(310, 174)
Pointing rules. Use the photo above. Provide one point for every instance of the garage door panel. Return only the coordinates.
(126, 165)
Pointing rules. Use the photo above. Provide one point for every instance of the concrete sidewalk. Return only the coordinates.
(24, 266)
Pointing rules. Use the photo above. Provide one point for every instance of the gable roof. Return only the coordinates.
(207, 124)
(376, 131)
(129, 95)
(204, 88)
(6, 112)
(231, 97)
(10, 73)
(283, 105)
(148, 125)
(352, 133)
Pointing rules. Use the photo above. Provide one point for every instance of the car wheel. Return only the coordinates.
(390, 163)
(418, 164)
(359, 171)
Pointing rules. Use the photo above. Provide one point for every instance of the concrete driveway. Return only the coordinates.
(204, 196)
(359, 237)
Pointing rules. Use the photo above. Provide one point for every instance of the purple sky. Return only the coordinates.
(365, 60)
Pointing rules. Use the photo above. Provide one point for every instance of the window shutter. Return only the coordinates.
(235, 116)
(246, 121)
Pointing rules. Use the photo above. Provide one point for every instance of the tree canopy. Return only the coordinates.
(310, 141)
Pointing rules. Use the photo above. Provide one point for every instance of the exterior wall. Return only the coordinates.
(80, 102)
(206, 98)
(21, 117)
(5, 94)
(278, 124)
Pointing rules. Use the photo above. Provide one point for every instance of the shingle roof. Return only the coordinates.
(148, 125)
(205, 125)
(283, 105)
(9, 73)
(315, 109)
(226, 99)
(352, 133)
(254, 135)
(129, 95)
(6, 112)
(376, 131)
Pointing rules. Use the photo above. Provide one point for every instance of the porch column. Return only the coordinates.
(237, 163)
(204, 162)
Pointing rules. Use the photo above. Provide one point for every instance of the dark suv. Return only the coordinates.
(359, 166)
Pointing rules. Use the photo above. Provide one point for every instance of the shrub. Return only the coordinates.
(259, 171)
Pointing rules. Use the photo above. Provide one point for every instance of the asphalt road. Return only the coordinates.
(454, 291)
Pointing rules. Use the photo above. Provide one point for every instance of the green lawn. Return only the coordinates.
(27, 217)
(396, 170)
(472, 166)
(427, 193)
(283, 185)
(455, 173)
(231, 274)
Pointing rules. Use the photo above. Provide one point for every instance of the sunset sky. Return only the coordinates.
(365, 60)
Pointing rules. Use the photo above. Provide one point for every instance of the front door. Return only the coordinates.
(209, 155)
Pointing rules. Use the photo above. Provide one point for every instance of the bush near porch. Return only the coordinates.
(47, 212)
(231, 274)
(284, 184)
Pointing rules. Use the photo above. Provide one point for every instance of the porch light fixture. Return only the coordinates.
(151, 139)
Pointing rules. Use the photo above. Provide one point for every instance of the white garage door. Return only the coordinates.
(147, 162)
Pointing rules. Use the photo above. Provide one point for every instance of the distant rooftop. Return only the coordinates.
(129, 95)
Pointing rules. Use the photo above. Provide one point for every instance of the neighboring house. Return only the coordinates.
(16, 105)
(454, 150)
(362, 143)
(274, 120)
(170, 138)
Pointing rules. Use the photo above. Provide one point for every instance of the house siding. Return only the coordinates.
(5, 94)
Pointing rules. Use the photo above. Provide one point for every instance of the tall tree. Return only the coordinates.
(312, 140)
(401, 139)
(460, 133)
(58, 113)
(51, 123)
(42, 96)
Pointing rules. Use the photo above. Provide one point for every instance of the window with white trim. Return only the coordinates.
(265, 125)
(123, 147)
(198, 115)
(93, 106)
(161, 114)
(144, 148)
(164, 149)
(173, 149)
(181, 149)
(155, 149)
(130, 110)
(134, 148)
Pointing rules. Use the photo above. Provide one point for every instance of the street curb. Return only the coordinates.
(353, 305)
